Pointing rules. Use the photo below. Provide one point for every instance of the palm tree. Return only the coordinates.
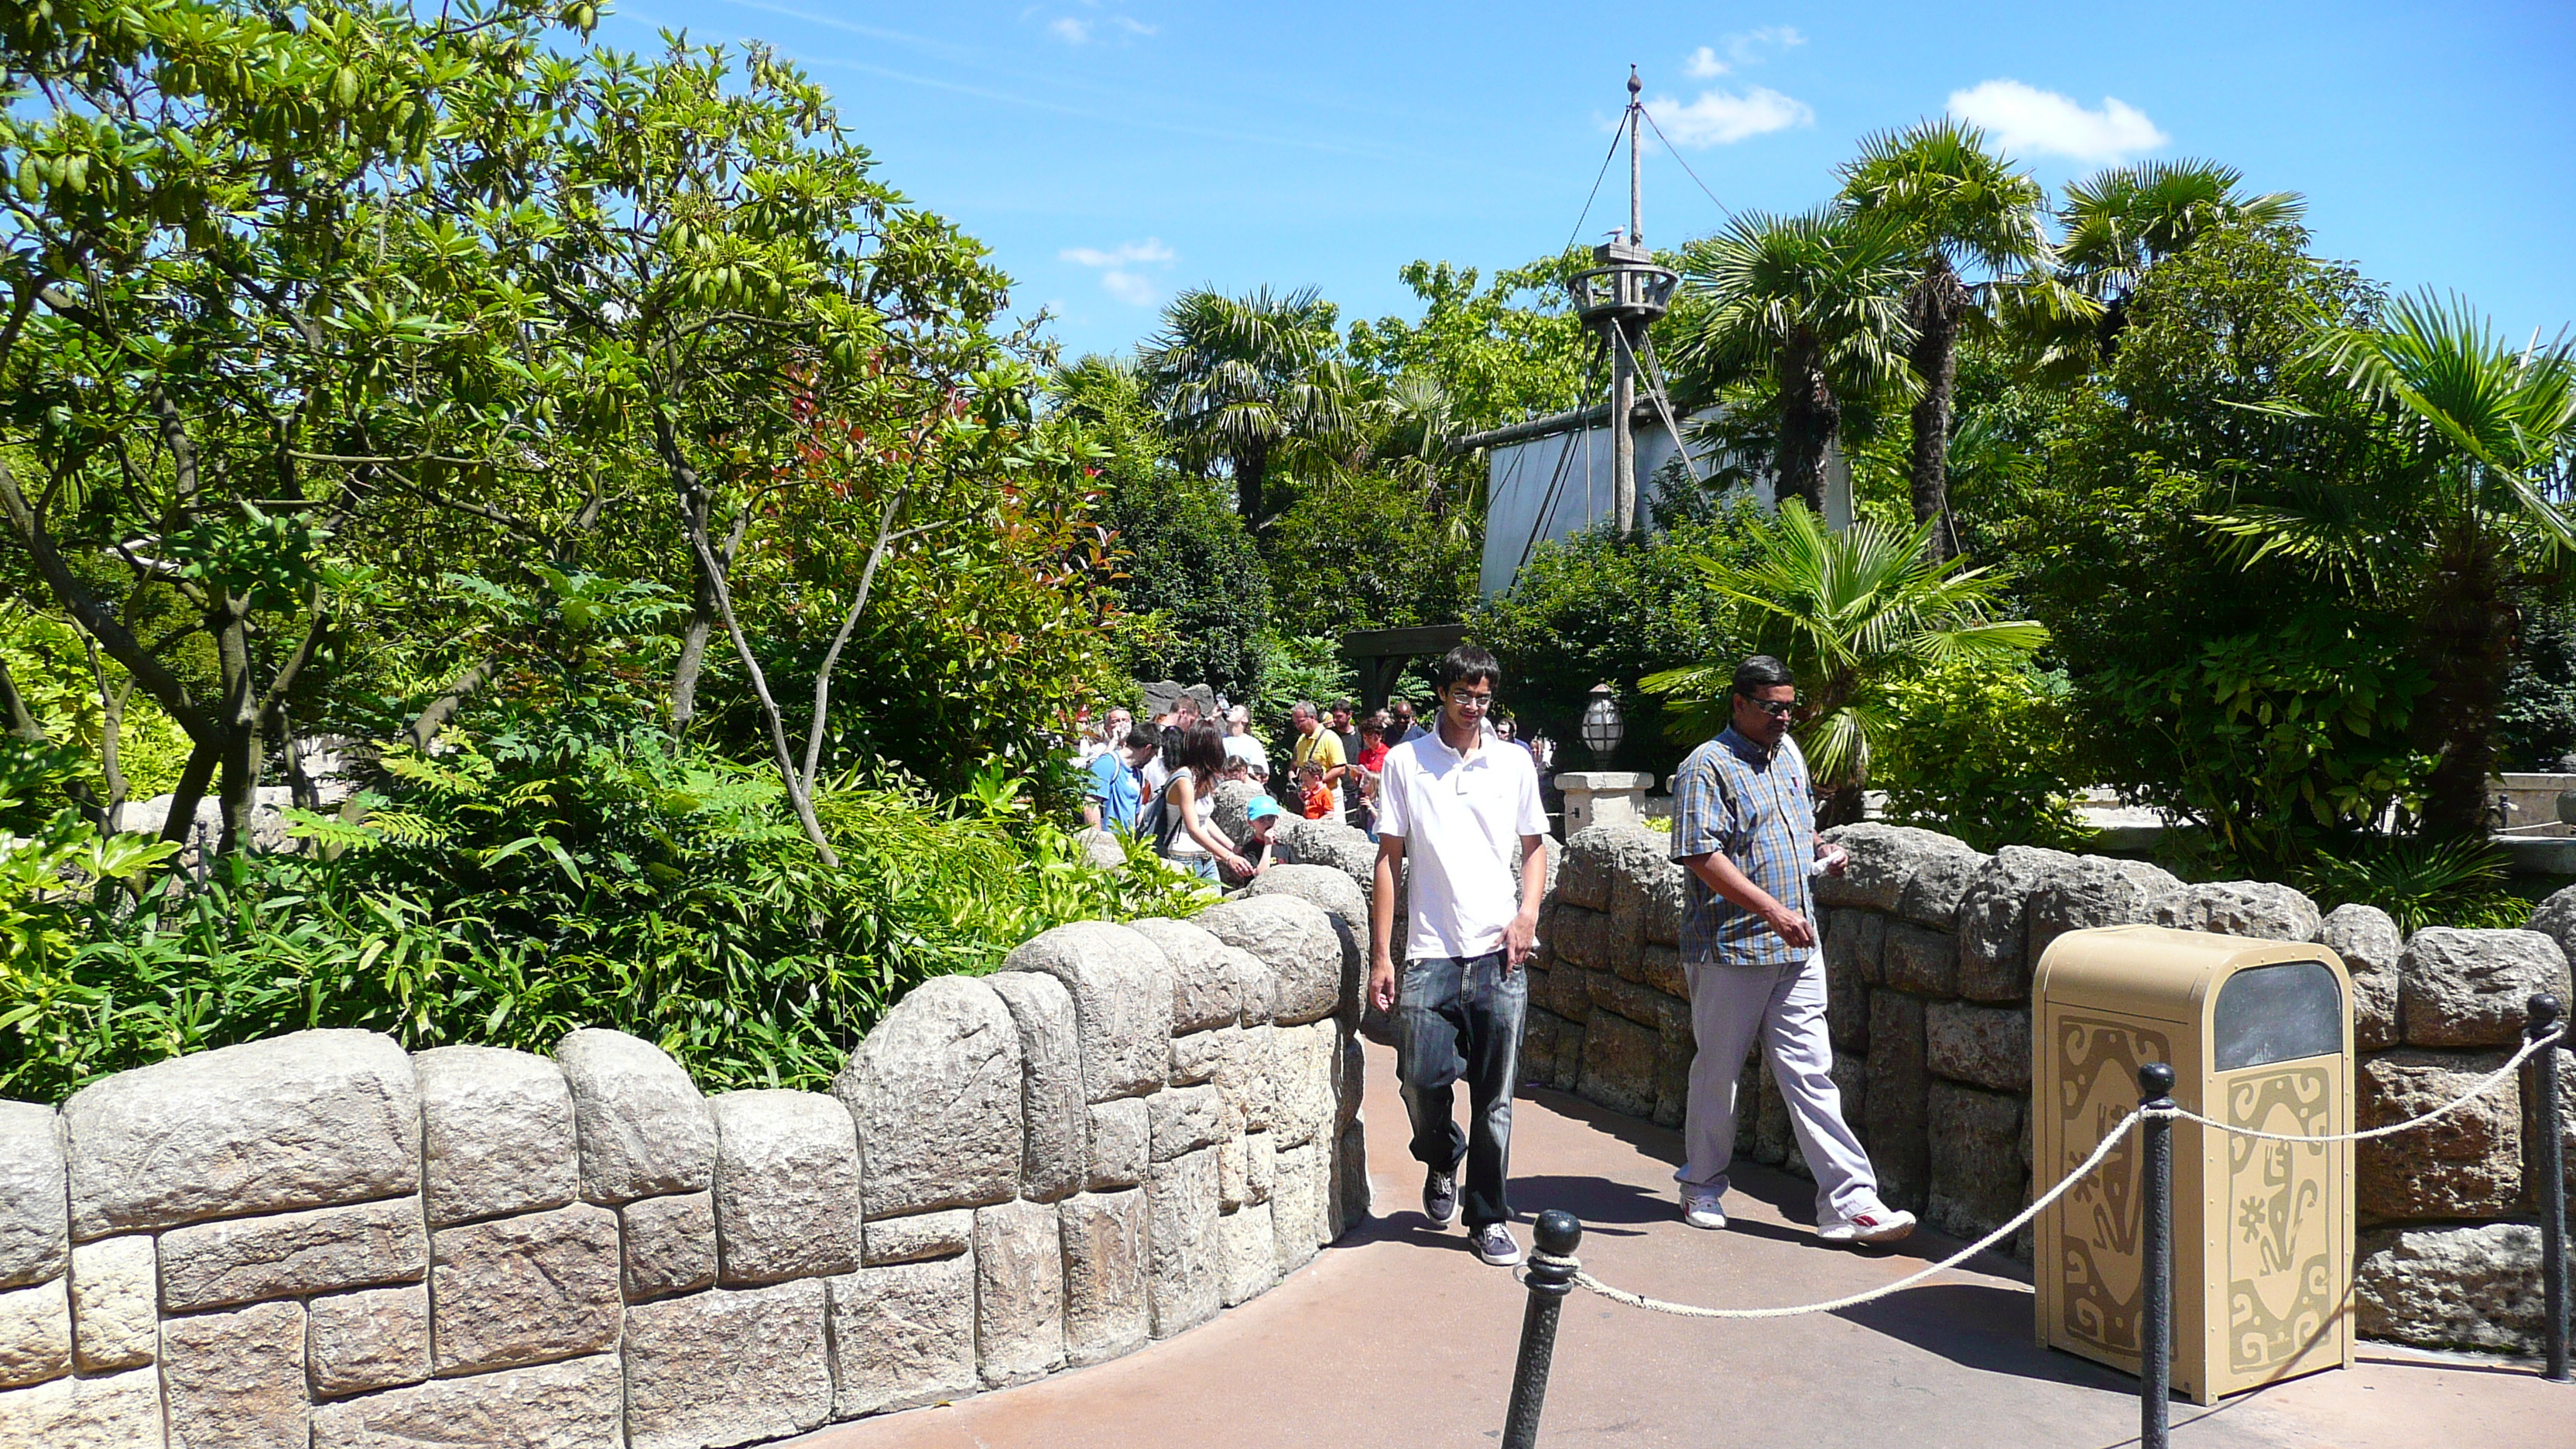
(1850, 613)
(1247, 380)
(1812, 304)
(1961, 208)
(2119, 222)
(2479, 440)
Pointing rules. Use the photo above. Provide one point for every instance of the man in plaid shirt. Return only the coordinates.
(1744, 826)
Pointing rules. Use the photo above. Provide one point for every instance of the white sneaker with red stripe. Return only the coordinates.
(1878, 1225)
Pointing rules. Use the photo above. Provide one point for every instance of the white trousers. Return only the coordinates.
(1786, 1005)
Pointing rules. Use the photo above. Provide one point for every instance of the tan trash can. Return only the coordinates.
(2259, 1034)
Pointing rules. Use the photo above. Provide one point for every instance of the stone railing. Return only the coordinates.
(1929, 947)
(324, 1240)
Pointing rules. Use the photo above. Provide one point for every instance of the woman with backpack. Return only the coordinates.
(1187, 836)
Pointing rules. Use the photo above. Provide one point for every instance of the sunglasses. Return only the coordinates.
(1776, 708)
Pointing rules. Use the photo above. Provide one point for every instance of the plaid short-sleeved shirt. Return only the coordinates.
(1757, 809)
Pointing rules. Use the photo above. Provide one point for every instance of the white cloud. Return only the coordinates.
(1131, 25)
(1745, 47)
(1115, 264)
(1129, 288)
(1718, 118)
(2025, 118)
(1704, 64)
(1070, 30)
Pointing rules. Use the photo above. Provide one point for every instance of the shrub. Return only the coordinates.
(1985, 752)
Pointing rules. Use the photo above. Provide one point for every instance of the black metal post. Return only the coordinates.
(1550, 1277)
(2545, 1168)
(2155, 1322)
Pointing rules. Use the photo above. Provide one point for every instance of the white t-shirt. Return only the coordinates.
(1249, 750)
(1462, 819)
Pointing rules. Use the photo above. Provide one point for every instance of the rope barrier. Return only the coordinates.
(2101, 1151)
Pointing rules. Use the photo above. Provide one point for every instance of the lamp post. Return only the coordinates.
(1603, 726)
(1601, 796)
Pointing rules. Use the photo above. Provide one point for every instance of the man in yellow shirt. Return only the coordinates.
(1316, 743)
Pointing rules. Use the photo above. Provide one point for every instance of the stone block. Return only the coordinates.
(1565, 989)
(2467, 1164)
(115, 1298)
(729, 1366)
(1255, 986)
(1581, 938)
(375, 1338)
(1347, 1203)
(903, 1335)
(1056, 1121)
(116, 1411)
(1122, 1000)
(1107, 1309)
(1197, 1057)
(1121, 1139)
(1995, 953)
(669, 1245)
(1247, 1250)
(1978, 1179)
(1846, 993)
(1637, 894)
(2096, 891)
(787, 1187)
(496, 1134)
(1185, 1119)
(1675, 1049)
(2260, 909)
(1983, 1046)
(2472, 1287)
(642, 1128)
(1643, 1005)
(1922, 960)
(1302, 1067)
(1019, 1293)
(921, 1237)
(1619, 1064)
(1599, 856)
(1899, 1099)
(1883, 859)
(523, 1290)
(2460, 988)
(304, 1120)
(936, 1090)
(1339, 897)
(1243, 1074)
(1297, 1212)
(1661, 968)
(1296, 941)
(291, 1255)
(576, 1404)
(1184, 1287)
(1329, 842)
(1763, 1119)
(1857, 939)
(2556, 919)
(235, 1380)
(35, 1334)
(1667, 897)
(1207, 985)
(1933, 894)
(35, 1235)
(2368, 942)
(1233, 1173)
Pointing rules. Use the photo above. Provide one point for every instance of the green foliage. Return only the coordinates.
(1984, 751)
(2417, 882)
(2536, 728)
(1365, 551)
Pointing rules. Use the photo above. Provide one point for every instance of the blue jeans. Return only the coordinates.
(1460, 1017)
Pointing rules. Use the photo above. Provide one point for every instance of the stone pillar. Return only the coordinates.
(1603, 797)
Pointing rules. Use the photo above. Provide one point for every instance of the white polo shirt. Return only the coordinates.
(1461, 819)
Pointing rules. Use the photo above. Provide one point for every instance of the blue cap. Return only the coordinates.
(1259, 806)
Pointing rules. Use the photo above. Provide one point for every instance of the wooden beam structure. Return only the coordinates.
(1380, 655)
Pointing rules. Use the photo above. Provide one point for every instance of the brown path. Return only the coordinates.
(1398, 1337)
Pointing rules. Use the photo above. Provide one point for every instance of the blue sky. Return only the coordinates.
(1112, 152)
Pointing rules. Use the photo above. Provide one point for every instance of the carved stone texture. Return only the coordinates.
(117, 1411)
(1247, 1251)
(1121, 1137)
(2556, 919)
(642, 1128)
(1019, 1293)
(1297, 1213)
(787, 1187)
(1295, 939)
(303, 1120)
(903, 1335)
(1565, 988)
(2368, 942)
(1641, 1004)
(1922, 960)
(1566, 1067)
(1301, 1073)
(1883, 859)
(1225, 809)
(921, 1237)
(34, 1234)
(1329, 842)
(1347, 1203)
(669, 1245)
(731, 1366)
(236, 1380)
(35, 1334)
(1846, 997)
(1242, 1074)
(1661, 968)
(291, 1255)
(2467, 1164)
(1634, 895)
(936, 1091)
(1596, 858)
(2262, 910)
(1995, 955)
(1856, 940)
(1184, 1289)
(2474, 1287)
(375, 1338)
(2469, 988)
(1538, 1044)
(2096, 891)
(496, 1134)
(1667, 895)
(1122, 999)
(1932, 895)
(1057, 1124)
(575, 1404)
(1581, 938)
(1676, 1046)
(1185, 1119)
(1978, 1179)
(1254, 986)
(525, 1290)
(1207, 989)
(115, 1296)
(1328, 890)
(1983, 1046)
(1619, 1064)
(1107, 1310)
(1260, 1166)
(1198, 1057)
(1900, 1085)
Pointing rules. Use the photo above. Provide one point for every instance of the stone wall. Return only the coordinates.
(1929, 947)
(322, 1240)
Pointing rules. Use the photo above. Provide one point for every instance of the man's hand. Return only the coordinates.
(1381, 985)
(1520, 938)
(1834, 856)
(1791, 926)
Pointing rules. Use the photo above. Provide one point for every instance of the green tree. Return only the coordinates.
(1250, 382)
(2119, 222)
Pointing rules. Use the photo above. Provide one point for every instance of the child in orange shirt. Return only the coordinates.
(1312, 796)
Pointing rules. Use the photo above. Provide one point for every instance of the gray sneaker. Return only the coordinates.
(1493, 1243)
(1440, 1197)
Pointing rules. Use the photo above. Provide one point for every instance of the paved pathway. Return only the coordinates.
(1398, 1337)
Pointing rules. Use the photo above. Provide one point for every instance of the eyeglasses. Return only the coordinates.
(1465, 700)
(1776, 708)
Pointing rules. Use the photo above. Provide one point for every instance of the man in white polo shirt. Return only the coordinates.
(1462, 807)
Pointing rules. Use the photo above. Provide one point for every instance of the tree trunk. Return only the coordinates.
(1939, 300)
(239, 719)
(1251, 476)
(1810, 415)
(2468, 641)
